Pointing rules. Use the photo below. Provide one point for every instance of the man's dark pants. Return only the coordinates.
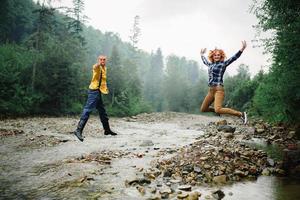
(94, 100)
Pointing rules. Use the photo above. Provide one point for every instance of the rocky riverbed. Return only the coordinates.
(155, 156)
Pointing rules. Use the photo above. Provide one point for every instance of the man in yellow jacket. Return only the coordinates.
(98, 85)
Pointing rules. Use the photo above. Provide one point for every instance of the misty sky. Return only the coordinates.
(182, 27)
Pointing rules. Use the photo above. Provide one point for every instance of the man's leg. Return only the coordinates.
(103, 117)
(93, 98)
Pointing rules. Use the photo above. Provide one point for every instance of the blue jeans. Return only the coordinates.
(94, 100)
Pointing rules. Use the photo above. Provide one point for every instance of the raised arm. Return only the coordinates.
(237, 55)
(202, 52)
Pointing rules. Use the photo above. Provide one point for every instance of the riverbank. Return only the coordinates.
(151, 158)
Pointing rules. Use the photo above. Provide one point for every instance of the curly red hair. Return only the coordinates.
(212, 52)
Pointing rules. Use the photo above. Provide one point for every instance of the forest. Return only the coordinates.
(46, 55)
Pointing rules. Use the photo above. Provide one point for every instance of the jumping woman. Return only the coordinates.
(216, 70)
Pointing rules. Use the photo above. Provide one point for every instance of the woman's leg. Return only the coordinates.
(207, 101)
(219, 98)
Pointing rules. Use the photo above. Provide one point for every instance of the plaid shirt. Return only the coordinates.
(216, 69)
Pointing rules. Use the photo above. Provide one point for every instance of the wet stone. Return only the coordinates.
(175, 181)
(188, 168)
(182, 196)
(259, 130)
(165, 195)
(266, 172)
(165, 190)
(206, 166)
(197, 170)
(221, 122)
(270, 162)
(226, 128)
(220, 179)
(185, 172)
(167, 173)
(140, 181)
(219, 194)
(194, 195)
(185, 187)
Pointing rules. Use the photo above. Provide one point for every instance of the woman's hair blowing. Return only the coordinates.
(212, 52)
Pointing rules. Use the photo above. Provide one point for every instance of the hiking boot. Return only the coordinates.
(244, 118)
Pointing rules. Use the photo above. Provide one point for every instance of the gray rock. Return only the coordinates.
(219, 194)
(226, 128)
(188, 168)
(167, 173)
(165, 195)
(266, 172)
(197, 170)
(270, 162)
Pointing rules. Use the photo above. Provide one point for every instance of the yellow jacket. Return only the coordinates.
(97, 71)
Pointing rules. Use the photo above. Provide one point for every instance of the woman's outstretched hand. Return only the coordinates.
(244, 45)
(202, 51)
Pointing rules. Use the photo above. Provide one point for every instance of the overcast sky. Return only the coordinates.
(182, 27)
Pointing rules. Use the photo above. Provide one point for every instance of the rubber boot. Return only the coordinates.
(80, 127)
(107, 130)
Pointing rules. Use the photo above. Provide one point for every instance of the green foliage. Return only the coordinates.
(239, 89)
(279, 96)
(58, 79)
(15, 95)
(16, 20)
